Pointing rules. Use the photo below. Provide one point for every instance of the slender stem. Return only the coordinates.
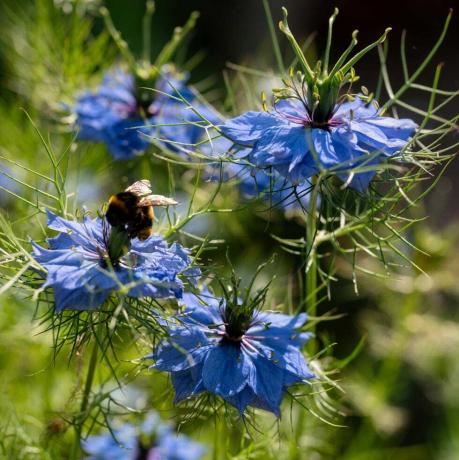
(311, 250)
(178, 36)
(283, 26)
(329, 41)
(423, 65)
(150, 9)
(346, 67)
(86, 393)
(116, 36)
(275, 41)
(295, 447)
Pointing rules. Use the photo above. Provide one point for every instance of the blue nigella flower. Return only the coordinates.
(289, 139)
(247, 357)
(82, 275)
(152, 440)
(117, 116)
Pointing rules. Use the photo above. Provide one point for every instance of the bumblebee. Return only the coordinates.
(132, 209)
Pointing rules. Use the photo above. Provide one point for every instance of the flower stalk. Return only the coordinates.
(86, 392)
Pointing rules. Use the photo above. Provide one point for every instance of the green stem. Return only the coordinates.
(329, 41)
(423, 65)
(86, 393)
(311, 251)
(275, 41)
(295, 444)
(283, 26)
(146, 29)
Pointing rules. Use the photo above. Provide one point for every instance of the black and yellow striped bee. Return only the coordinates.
(133, 209)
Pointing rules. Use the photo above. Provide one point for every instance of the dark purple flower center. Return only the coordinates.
(308, 120)
(237, 320)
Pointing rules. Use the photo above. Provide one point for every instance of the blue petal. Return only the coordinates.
(226, 370)
(241, 400)
(266, 382)
(94, 117)
(203, 309)
(126, 138)
(184, 349)
(280, 145)
(77, 283)
(177, 447)
(283, 351)
(187, 383)
(87, 234)
(280, 320)
(374, 138)
(286, 148)
(395, 128)
(154, 243)
(80, 298)
(250, 126)
(61, 241)
(355, 110)
(292, 108)
(121, 446)
(324, 148)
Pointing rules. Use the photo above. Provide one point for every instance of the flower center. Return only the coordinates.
(238, 319)
(117, 243)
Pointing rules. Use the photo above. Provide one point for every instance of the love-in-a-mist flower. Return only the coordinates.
(246, 356)
(84, 264)
(151, 440)
(126, 117)
(288, 139)
(310, 129)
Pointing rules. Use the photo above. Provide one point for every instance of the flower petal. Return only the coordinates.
(280, 320)
(86, 234)
(356, 110)
(226, 370)
(373, 137)
(395, 128)
(267, 383)
(187, 383)
(250, 126)
(201, 310)
(184, 349)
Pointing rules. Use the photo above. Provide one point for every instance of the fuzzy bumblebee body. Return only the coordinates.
(132, 209)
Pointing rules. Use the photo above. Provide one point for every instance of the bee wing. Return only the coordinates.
(157, 200)
(140, 188)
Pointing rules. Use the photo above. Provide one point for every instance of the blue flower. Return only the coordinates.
(152, 440)
(247, 358)
(288, 139)
(79, 274)
(115, 116)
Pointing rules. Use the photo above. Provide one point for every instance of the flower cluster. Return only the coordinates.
(152, 440)
(288, 139)
(116, 114)
(247, 357)
(82, 274)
